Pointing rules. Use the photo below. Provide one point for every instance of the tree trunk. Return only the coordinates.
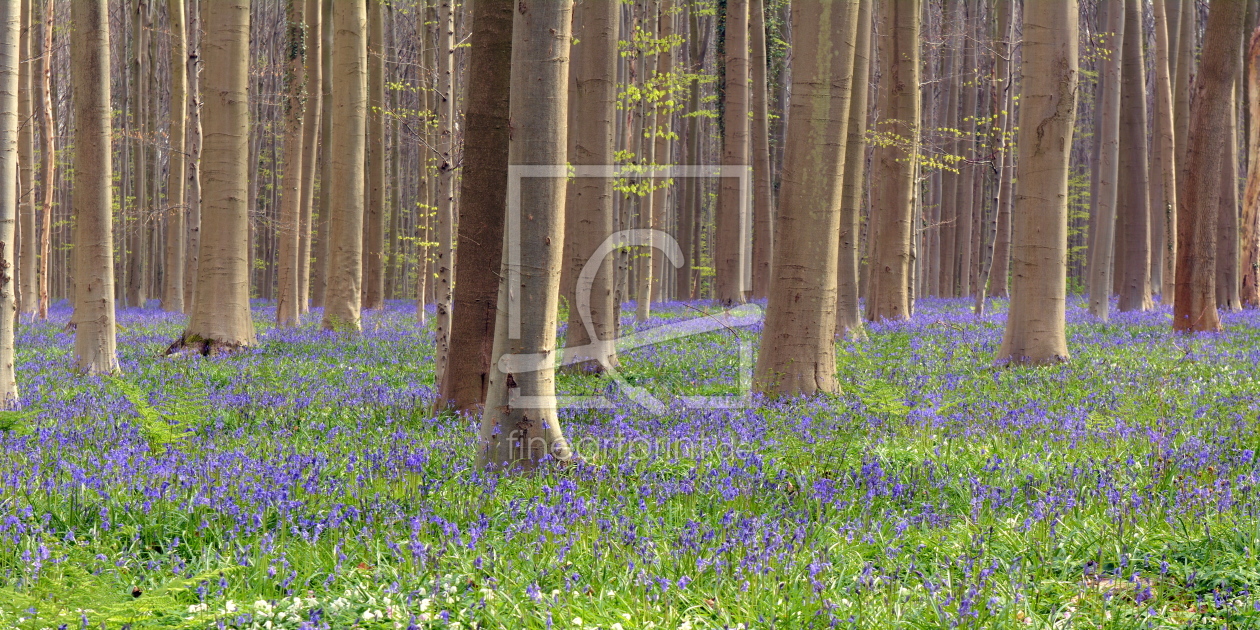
(893, 165)
(848, 308)
(514, 433)
(25, 247)
(481, 209)
(1035, 326)
(342, 294)
(173, 267)
(797, 355)
(94, 339)
(1227, 232)
(690, 205)
(966, 199)
(950, 179)
(729, 243)
(1181, 100)
(193, 69)
(47, 149)
(321, 242)
(1132, 201)
(311, 121)
(1165, 157)
(287, 300)
(1108, 167)
(136, 245)
(446, 181)
(997, 268)
(374, 218)
(10, 71)
(589, 200)
(1194, 309)
(763, 201)
(1251, 198)
(220, 320)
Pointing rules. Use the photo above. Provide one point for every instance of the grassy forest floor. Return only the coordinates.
(303, 484)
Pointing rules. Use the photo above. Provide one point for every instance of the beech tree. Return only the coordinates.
(1133, 260)
(1251, 197)
(47, 151)
(848, 308)
(344, 278)
(589, 200)
(287, 296)
(483, 190)
(1164, 160)
(173, 273)
(762, 185)
(25, 246)
(10, 60)
(445, 97)
(1194, 308)
(515, 435)
(1035, 327)
(93, 319)
(1108, 166)
(797, 355)
(893, 166)
(220, 319)
(374, 214)
(312, 119)
(729, 246)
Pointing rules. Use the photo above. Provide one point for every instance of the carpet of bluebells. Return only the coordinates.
(305, 484)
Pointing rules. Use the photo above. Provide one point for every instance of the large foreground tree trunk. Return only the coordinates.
(94, 338)
(894, 166)
(514, 433)
(589, 202)
(797, 355)
(221, 320)
(483, 190)
(1035, 326)
(1194, 309)
(10, 59)
(343, 289)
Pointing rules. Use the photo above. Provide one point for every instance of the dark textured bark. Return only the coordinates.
(481, 210)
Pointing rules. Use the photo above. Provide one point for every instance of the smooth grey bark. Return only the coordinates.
(797, 355)
(94, 328)
(10, 60)
(1035, 327)
(518, 434)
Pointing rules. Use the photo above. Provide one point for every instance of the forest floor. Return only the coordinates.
(304, 484)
